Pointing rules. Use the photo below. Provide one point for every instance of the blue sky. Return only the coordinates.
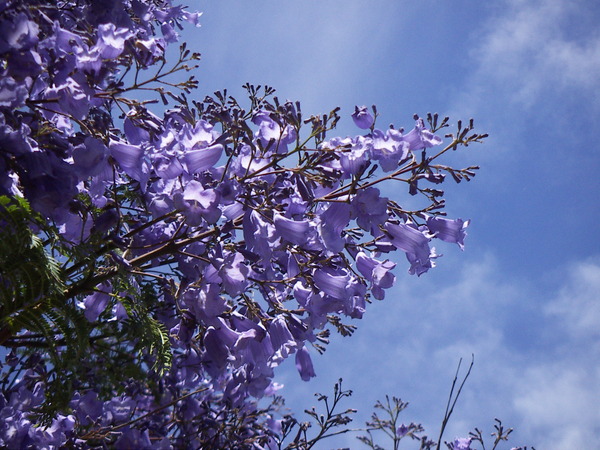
(524, 296)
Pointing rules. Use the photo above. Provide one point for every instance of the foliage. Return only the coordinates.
(156, 269)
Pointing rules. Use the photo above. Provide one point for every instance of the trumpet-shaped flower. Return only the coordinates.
(419, 137)
(414, 243)
(304, 364)
(294, 231)
(111, 40)
(448, 230)
(333, 221)
(362, 117)
(131, 159)
(369, 209)
(203, 158)
(377, 272)
(389, 148)
(198, 203)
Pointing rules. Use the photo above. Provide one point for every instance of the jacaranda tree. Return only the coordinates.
(158, 262)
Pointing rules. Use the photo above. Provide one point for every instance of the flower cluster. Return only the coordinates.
(134, 418)
(197, 250)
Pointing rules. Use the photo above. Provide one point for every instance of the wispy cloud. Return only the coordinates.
(559, 395)
(559, 404)
(577, 305)
(535, 352)
(318, 52)
(545, 371)
(529, 50)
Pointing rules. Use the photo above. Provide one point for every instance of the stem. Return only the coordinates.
(452, 403)
(169, 247)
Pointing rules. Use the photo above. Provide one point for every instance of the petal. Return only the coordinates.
(128, 156)
(202, 159)
(294, 231)
(333, 221)
(334, 285)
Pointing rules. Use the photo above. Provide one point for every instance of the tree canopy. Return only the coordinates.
(159, 258)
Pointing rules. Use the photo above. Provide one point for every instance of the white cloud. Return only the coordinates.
(578, 302)
(558, 396)
(543, 381)
(558, 403)
(538, 373)
(314, 51)
(531, 49)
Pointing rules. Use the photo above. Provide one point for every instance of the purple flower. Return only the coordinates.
(191, 17)
(134, 131)
(198, 203)
(419, 137)
(333, 284)
(362, 117)
(333, 221)
(160, 197)
(74, 229)
(56, 434)
(91, 157)
(118, 312)
(259, 234)
(369, 209)
(49, 183)
(111, 41)
(344, 293)
(216, 348)
(414, 243)
(118, 409)
(389, 149)
(355, 305)
(127, 155)
(269, 131)
(89, 60)
(461, 444)
(88, 408)
(167, 167)
(25, 66)
(202, 159)
(134, 438)
(356, 158)
(294, 231)
(96, 303)
(17, 141)
(169, 33)
(234, 273)
(402, 430)
(200, 136)
(447, 230)
(205, 303)
(184, 330)
(304, 364)
(105, 221)
(63, 42)
(12, 93)
(131, 159)
(281, 338)
(18, 33)
(149, 50)
(377, 272)
(73, 97)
